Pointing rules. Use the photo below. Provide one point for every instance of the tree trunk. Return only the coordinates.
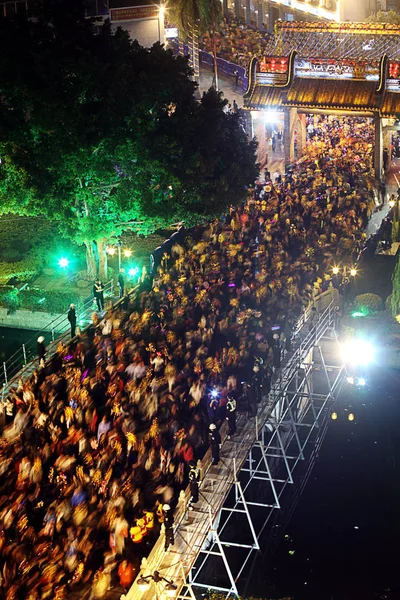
(101, 249)
(91, 259)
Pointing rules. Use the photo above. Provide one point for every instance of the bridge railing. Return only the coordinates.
(250, 433)
(56, 331)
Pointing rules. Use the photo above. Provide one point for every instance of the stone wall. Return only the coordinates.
(36, 321)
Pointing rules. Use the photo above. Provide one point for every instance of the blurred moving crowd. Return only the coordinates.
(98, 443)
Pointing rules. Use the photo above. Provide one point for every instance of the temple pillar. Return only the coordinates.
(378, 148)
(387, 148)
(248, 12)
(301, 129)
(290, 115)
(260, 134)
(260, 16)
(237, 8)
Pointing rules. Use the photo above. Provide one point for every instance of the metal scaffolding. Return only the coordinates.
(269, 455)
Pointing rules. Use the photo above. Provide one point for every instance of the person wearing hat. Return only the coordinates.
(41, 350)
(194, 480)
(98, 293)
(215, 443)
(169, 526)
(71, 316)
(231, 415)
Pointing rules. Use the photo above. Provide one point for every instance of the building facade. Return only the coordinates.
(143, 19)
(267, 12)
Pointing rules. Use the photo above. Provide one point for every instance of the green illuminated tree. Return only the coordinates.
(98, 133)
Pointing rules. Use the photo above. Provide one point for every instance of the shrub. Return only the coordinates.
(9, 298)
(368, 303)
(36, 299)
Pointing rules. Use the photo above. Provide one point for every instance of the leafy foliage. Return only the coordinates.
(36, 299)
(391, 16)
(96, 131)
(368, 303)
(396, 290)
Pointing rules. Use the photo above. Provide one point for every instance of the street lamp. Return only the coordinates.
(346, 272)
(144, 583)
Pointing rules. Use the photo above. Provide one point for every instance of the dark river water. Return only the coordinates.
(342, 541)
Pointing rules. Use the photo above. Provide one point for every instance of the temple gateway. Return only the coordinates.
(350, 69)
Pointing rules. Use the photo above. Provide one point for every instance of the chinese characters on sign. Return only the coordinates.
(135, 12)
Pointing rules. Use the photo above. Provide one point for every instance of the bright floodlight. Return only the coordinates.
(335, 270)
(132, 272)
(127, 253)
(111, 251)
(353, 272)
(143, 584)
(358, 352)
(214, 393)
(350, 380)
(334, 416)
(350, 417)
(361, 381)
(271, 116)
(63, 263)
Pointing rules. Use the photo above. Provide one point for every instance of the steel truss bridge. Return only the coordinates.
(264, 467)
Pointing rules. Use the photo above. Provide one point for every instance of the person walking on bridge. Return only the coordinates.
(231, 415)
(98, 293)
(72, 319)
(194, 480)
(215, 443)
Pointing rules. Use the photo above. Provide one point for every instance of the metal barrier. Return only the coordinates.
(56, 331)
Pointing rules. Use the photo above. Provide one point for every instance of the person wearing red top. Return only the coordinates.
(126, 573)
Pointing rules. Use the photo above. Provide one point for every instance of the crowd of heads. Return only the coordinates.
(237, 42)
(100, 438)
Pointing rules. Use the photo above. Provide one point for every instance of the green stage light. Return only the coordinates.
(133, 271)
(63, 263)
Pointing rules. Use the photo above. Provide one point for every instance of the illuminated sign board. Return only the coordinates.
(134, 12)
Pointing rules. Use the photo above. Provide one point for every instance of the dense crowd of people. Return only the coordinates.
(97, 444)
(237, 42)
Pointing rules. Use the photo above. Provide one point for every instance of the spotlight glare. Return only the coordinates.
(350, 380)
(334, 416)
(353, 272)
(358, 352)
(111, 251)
(361, 381)
(132, 272)
(214, 393)
(350, 417)
(335, 270)
(63, 263)
(127, 253)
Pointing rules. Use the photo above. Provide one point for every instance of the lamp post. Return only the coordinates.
(346, 273)
(144, 584)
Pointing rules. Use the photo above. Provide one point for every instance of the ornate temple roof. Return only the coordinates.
(345, 94)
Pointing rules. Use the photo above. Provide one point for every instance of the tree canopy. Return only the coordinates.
(97, 132)
(391, 16)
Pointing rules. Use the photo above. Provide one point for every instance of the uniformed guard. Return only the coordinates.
(194, 480)
(215, 443)
(231, 416)
(169, 526)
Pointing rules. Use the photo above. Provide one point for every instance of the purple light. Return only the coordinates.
(231, 285)
(68, 357)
